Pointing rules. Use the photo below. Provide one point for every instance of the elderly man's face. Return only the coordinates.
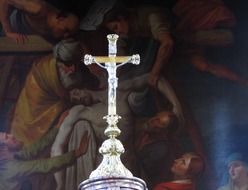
(237, 169)
(10, 141)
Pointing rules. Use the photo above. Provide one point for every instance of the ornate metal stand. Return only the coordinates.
(111, 174)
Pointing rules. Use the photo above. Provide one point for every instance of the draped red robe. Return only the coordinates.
(175, 186)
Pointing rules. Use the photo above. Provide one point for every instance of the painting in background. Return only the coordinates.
(205, 73)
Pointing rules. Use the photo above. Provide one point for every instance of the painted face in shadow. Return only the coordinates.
(181, 165)
(10, 141)
(120, 26)
(237, 170)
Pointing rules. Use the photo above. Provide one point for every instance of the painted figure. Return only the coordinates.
(46, 93)
(205, 24)
(94, 112)
(236, 177)
(143, 22)
(20, 18)
(156, 145)
(185, 169)
(44, 97)
(17, 162)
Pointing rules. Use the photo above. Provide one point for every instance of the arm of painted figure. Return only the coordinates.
(4, 17)
(185, 117)
(25, 168)
(29, 6)
(162, 58)
(38, 146)
(160, 29)
(168, 92)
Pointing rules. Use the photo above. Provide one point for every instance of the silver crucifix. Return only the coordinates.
(112, 148)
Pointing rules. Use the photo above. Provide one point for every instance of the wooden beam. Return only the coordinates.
(33, 44)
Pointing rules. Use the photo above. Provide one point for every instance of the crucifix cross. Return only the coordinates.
(111, 63)
(112, 147)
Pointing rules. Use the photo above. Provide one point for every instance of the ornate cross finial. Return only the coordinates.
(111, 148)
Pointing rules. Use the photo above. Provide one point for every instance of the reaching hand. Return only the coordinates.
(18, 38)
(83, 147)
(153, 80)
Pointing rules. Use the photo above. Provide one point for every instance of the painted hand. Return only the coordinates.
(83, 147)
(18, 38)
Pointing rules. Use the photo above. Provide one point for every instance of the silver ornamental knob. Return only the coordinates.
(88, 59)
(135, 59)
